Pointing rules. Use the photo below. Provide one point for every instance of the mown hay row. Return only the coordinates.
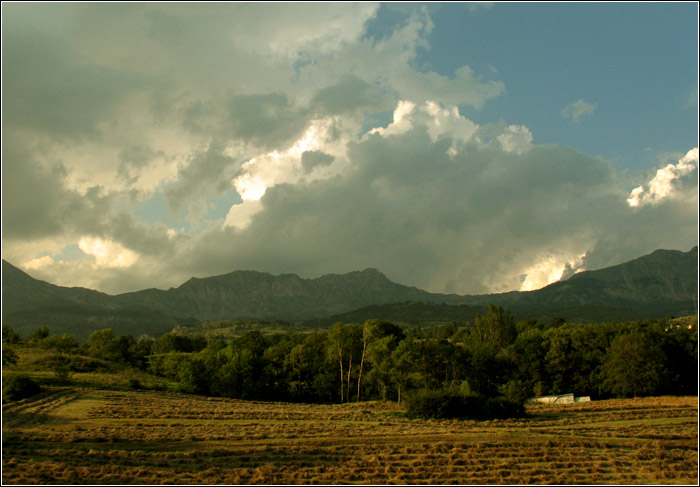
(151, 438)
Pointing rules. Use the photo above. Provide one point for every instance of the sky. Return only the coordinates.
(457, 147)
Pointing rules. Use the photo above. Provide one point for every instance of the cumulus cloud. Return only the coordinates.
(107, 253)
(267, 120)
(578, 109)
(255, 119)
(665, 182)
(386, 64)
(549, 269)
(516, 138)
(311, 159)
(350, 93)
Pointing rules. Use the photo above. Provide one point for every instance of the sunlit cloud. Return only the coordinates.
(662, 184)
(39, 263)
(441, 120)
(107, 254)
(276, 167)
(239, 215)
(550, 269)
(516, 138)
(161, 141)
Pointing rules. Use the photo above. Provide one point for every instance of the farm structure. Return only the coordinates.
(559, 399)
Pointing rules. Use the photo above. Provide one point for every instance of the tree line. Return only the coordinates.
(379, 360)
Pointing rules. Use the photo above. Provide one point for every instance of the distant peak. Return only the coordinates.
(373, 273)
(372, 270)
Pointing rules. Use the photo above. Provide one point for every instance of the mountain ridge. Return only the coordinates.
(653, 284)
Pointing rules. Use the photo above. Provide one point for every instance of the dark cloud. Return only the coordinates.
(427, 217)
(34, 204)
(466, 222)
(105, 106)
(267, 121)
(48, 89)
(134, 158)
(313, 158)
(349, 94)
(204, 173)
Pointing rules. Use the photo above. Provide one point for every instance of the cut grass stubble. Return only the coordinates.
(102, 437)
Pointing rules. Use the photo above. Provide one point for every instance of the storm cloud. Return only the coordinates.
(284, 138)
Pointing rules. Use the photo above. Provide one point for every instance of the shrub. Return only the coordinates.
(18, 386)
(73, 363)
(82, 364)
(9, 335)
(446, 405)
(9, 357)
(501, 408)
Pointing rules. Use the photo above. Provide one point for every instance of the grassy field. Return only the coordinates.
(92, 436)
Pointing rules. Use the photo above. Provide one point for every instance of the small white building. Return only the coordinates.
(558, 399)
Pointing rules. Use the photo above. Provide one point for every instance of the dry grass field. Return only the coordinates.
(88, 436)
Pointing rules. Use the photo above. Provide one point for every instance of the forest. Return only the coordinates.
(491, 357)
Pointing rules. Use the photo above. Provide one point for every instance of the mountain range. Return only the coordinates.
(662, 283)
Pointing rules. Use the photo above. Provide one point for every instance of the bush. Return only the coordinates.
(9, 335)
(18, 386)
(9, 357)
(501, 408)
(446, 405)
(73, 363)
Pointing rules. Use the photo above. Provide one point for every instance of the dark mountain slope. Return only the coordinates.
(249, 294)
(29, 304)
(664, 282)
(660, 278)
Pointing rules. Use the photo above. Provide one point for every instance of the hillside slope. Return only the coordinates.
(661, 283)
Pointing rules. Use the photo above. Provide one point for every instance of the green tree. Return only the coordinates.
(171, 342)
(345, 347)
(679, 345)
(10, 336)
(62, 343)
(634, 366)
(194, 376)
(299, 367)
(9, 357)
(140, 351)
(575, 353)
(457, 365)
(275, 372)
(250, 356)
(404, 362)
(379, 357)
(103, 344)
(443, 332)
(235, 372)
(433, 363)
(323, 371)
(373, 331)
(385, 337)
(488, 370)
(497, 328)
(100, 343)
(39, 335)
(530, 353)
(166, 365)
